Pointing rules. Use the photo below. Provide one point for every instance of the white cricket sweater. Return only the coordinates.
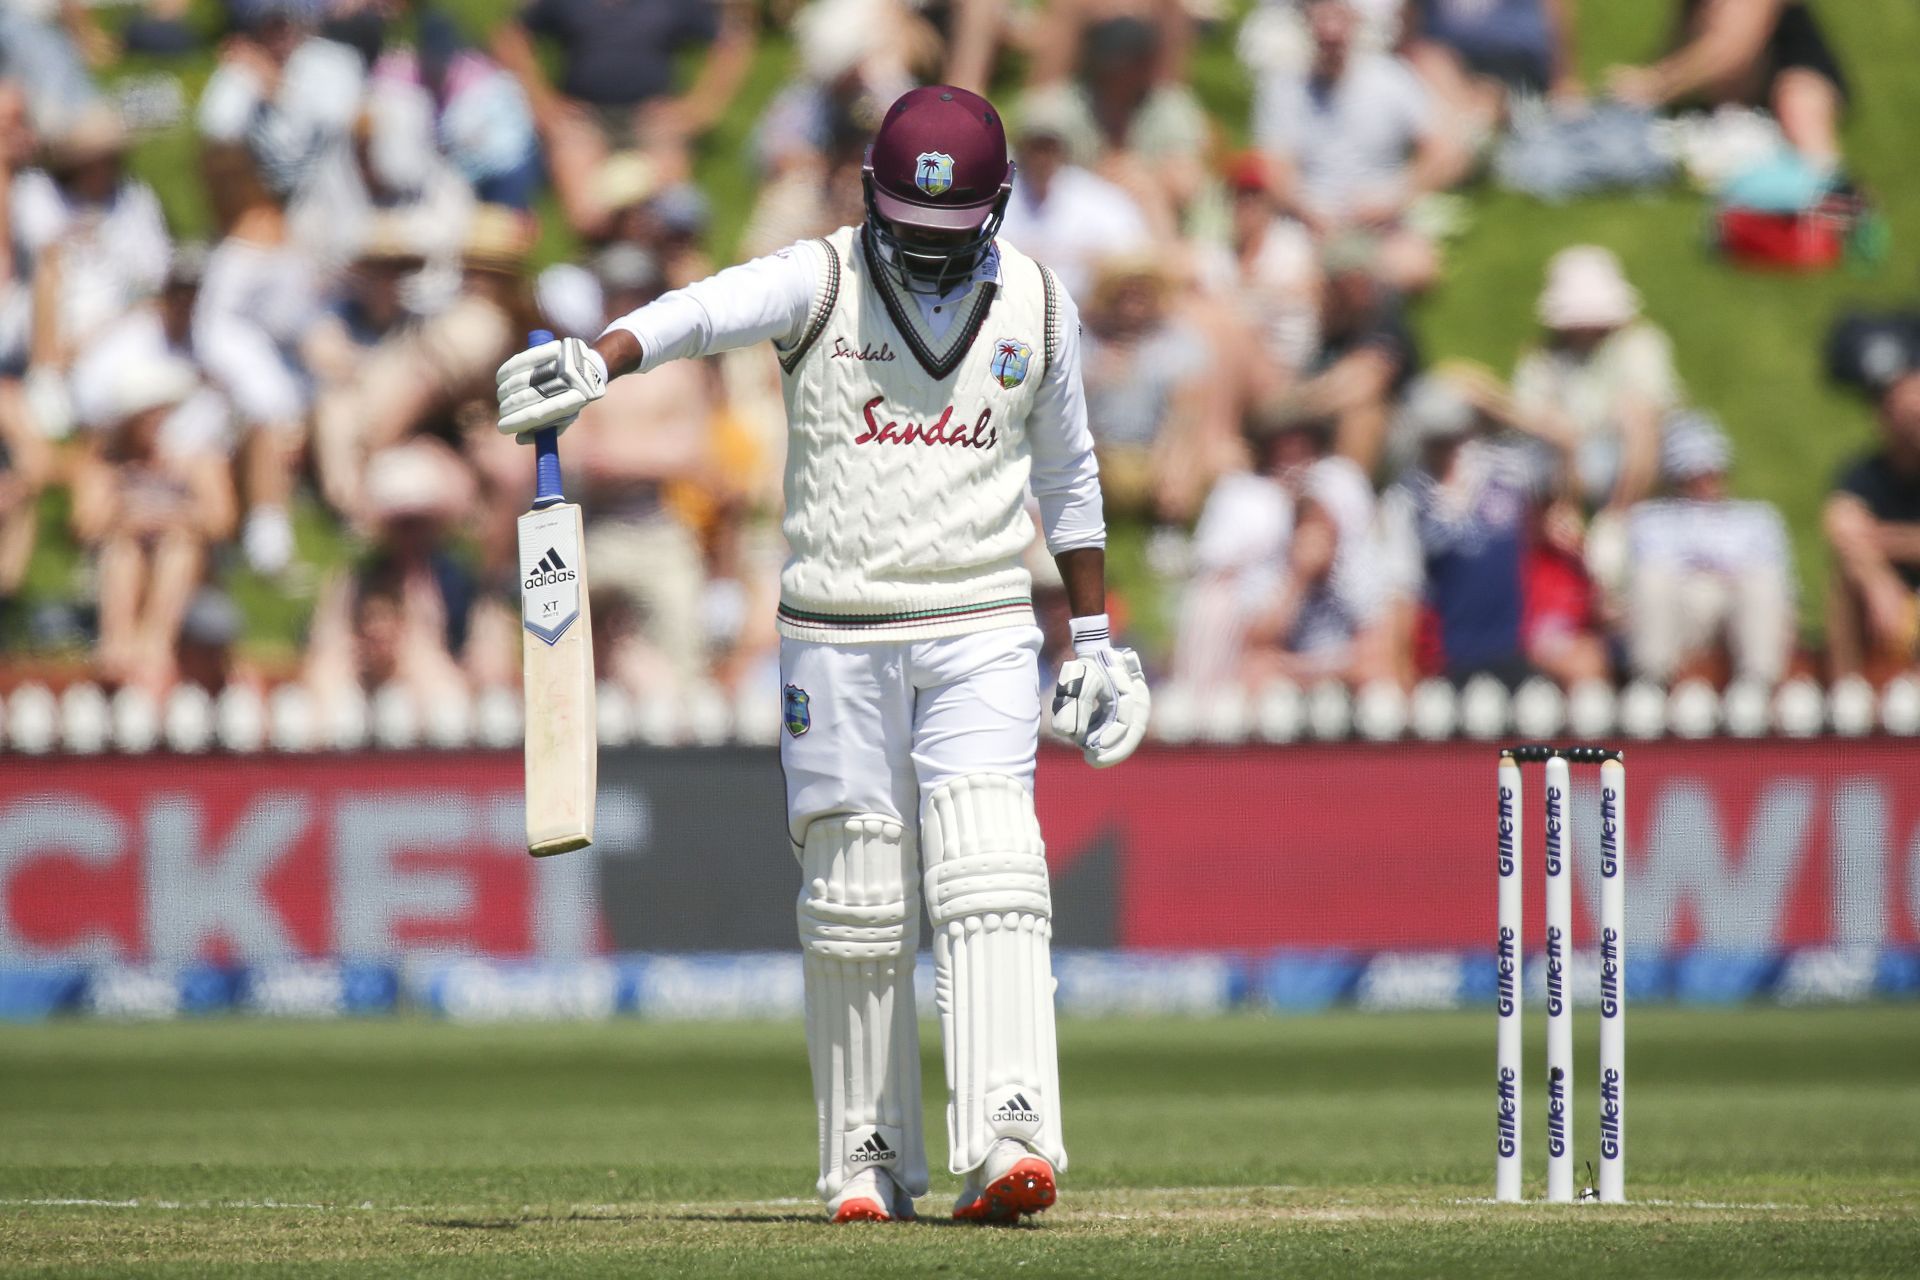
(906, 473)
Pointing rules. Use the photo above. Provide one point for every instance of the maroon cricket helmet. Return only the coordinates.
(937, 181)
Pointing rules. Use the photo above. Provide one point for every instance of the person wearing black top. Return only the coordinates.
(1765, 53)
(1872, 522)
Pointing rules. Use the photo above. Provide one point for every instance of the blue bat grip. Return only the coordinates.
(546, 449)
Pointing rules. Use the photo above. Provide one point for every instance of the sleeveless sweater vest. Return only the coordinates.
(906, 476)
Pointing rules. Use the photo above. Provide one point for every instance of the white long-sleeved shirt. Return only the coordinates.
(772, 299)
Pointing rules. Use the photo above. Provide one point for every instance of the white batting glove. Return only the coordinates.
(549, 385)
(1101, 701)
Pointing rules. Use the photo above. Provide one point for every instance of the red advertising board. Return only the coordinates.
(1352, 847)
(1369, 847)
(244, 858)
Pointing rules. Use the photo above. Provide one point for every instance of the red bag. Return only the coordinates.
(1813, 240)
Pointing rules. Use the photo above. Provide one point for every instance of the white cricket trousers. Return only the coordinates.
(937, 736)
(888, 723)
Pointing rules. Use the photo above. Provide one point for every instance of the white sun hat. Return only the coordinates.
(1587, 290)
(152, 382)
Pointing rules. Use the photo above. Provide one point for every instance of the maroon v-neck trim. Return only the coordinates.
(939, 367)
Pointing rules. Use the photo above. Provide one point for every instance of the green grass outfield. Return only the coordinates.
(1763, 1142)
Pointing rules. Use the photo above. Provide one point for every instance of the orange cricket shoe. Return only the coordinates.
(1011, 1183)
(871, 1196)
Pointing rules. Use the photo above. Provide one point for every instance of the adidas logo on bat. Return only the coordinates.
(1016, 1110)
(550, 570)
(873, 1151)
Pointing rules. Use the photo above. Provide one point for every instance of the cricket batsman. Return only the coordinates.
(931, 374)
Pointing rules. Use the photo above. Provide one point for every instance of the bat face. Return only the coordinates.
(562, 755)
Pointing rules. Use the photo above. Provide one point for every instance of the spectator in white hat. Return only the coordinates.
(424, 378)
(1708, 574)
(1601, 381)
(159, 329)
(150, 519)
(90, 242)
(1062, 214)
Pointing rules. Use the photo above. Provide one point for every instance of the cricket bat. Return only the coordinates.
(557, 671)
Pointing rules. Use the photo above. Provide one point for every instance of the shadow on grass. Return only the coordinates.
(788, 1219)
(819, 1220)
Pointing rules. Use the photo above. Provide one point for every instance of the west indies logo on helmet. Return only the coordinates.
(937, 181)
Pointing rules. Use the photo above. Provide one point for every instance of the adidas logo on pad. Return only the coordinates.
(873, 1151)
(1016, 1110)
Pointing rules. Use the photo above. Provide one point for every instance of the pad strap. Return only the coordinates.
(988, 883)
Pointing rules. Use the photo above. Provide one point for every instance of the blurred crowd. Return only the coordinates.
(1316, 497)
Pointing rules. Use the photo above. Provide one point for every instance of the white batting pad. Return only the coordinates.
(992, 920)
(859, 926)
